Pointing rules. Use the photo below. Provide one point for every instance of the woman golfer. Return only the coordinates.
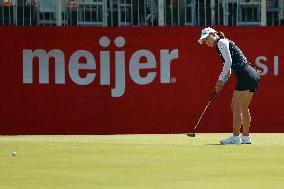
(247, 82)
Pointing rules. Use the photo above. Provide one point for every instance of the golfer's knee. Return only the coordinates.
(237, 112)
(246, 116)
(235, 105)
(245, 110)
(236, 108)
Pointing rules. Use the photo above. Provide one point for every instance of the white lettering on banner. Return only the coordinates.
(135, 67)
(259, 61)
(75, 66)
(166, 59)
(44, 57)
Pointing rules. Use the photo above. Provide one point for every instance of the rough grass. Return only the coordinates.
(141, 161)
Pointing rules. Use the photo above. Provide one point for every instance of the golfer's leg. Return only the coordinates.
(246, 114)
(246, 123)
(237, 113)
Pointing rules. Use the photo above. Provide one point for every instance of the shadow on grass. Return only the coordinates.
(214, 144)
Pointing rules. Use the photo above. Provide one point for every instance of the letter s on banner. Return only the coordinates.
(263, 66)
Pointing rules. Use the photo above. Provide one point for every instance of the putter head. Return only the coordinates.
(190, 134)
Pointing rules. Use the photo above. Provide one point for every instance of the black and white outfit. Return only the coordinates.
(233, 59)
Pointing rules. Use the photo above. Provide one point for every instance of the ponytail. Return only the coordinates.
(221, 35)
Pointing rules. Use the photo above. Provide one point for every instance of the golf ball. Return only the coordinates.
(14, 153)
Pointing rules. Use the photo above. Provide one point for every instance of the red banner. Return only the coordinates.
(91, 80)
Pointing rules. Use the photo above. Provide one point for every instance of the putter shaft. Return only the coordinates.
(192, 134)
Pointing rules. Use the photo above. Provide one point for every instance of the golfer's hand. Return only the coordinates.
(218, 86)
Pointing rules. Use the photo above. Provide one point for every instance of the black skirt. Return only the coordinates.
(247, 79)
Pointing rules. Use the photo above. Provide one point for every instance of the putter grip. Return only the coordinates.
(214, 93)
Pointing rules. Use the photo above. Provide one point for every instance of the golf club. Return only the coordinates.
(192, 133)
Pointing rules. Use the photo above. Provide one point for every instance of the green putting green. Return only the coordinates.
(141, 161)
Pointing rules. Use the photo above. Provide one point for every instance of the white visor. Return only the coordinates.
(204, 33)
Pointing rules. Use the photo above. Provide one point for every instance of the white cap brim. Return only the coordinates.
(200, 41)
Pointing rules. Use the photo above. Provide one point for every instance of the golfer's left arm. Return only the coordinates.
(223, 46)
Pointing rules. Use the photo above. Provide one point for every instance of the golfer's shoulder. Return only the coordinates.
(223, 43)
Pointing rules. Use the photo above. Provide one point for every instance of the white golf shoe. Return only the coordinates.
(232, 140)
(245, 139)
